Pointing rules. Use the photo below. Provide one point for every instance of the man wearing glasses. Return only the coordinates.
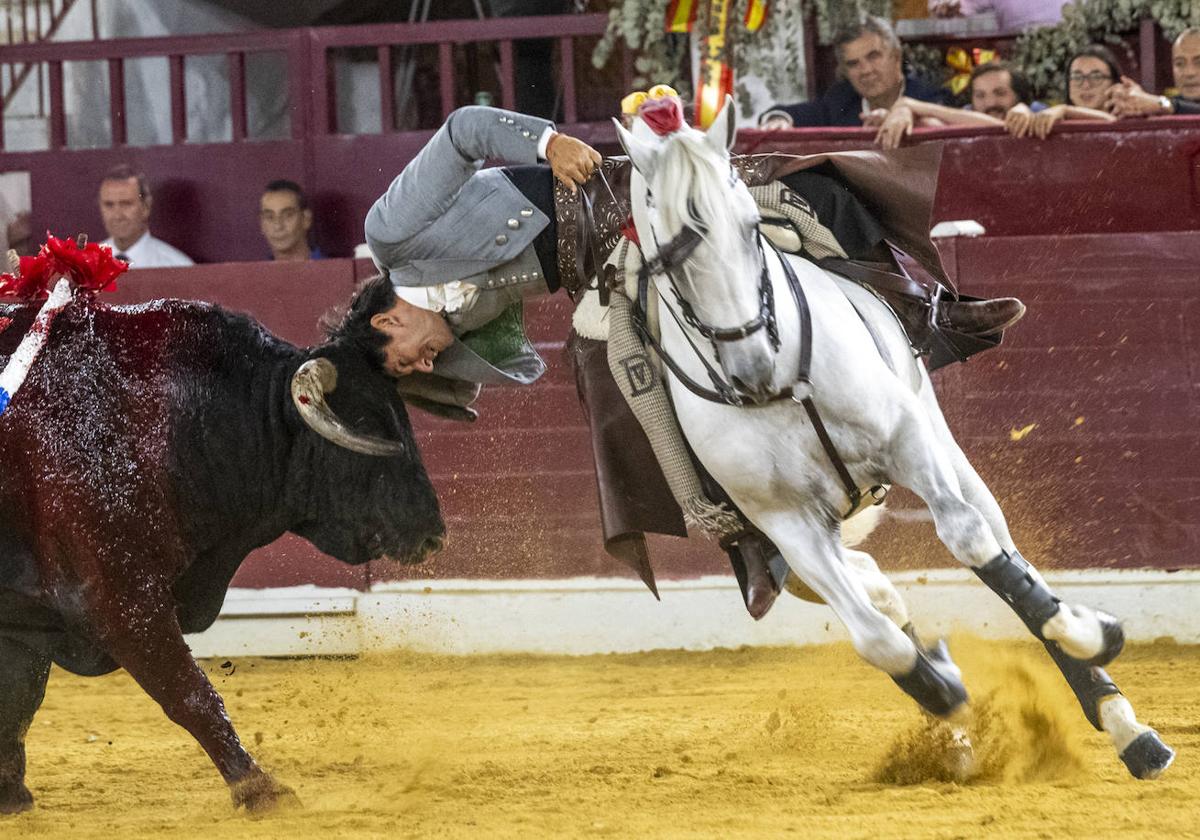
(285, 219)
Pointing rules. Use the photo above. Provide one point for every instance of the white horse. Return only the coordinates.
(738, 329)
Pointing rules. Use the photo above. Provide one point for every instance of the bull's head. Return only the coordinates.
(380, 502)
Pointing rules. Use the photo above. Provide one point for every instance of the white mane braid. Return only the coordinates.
(692, 187)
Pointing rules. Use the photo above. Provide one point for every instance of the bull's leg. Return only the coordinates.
(151, 648)
(929, 461)
(23, 674)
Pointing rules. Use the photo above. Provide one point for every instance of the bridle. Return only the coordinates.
(670, 262)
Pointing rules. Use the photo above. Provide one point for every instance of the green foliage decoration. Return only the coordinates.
(1043, 53)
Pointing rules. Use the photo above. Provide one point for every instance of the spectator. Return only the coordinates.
(1129, 99)
(996, 88)
(1090, 75)
(285, 219)
(1011, 15)
(125, 208)
(870, 58)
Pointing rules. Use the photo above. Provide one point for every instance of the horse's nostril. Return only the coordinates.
(432, 545)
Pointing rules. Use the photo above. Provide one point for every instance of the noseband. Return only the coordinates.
(669, 262)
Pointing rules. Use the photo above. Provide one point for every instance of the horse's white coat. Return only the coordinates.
(886, 426)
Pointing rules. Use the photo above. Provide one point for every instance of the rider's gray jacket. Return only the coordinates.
(444, 219)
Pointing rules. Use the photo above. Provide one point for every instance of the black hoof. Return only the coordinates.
(934, 682)
(1147, 757)
(1114, 640)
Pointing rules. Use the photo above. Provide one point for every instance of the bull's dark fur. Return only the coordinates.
(149, 451)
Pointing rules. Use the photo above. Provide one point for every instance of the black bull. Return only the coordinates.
(149, 451)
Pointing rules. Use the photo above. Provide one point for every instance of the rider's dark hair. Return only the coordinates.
(351, 325)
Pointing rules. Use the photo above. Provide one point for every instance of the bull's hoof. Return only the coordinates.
(1147, 756)
(261, 794)
(15, 800)
(1114, 640)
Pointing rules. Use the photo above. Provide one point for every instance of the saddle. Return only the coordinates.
(592, 220)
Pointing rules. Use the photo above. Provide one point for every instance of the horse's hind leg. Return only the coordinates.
(815, 556)
(23, 674)
(1079, 640)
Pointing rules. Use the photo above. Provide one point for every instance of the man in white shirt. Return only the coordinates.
(125, 208)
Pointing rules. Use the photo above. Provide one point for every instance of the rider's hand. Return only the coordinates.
(897, 125)
(572, 161)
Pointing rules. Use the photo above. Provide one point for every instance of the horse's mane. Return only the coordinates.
(692, 187)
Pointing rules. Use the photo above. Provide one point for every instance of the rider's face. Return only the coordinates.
(415, 337)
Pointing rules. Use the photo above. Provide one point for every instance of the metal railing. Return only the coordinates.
(33, 21)
(310, 67)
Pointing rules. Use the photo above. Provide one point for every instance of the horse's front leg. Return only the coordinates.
(929, 461)
(815, 556)
(145, 639)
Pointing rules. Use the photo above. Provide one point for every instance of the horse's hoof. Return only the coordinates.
(16, 801)
(1147, 756)
(1114, 640)
(261, 794)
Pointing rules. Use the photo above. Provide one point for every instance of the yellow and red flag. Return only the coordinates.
(756, 14)
(716, 68)
(681, 15)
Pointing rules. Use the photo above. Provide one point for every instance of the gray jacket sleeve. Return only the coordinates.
(428, 185)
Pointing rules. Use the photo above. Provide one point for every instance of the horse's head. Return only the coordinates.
(694, 215)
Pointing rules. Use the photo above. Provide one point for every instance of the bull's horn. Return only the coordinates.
(310, 384)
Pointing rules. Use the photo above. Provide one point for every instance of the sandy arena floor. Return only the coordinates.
(748, 743)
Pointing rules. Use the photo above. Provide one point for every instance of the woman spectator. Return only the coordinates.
(1091, 72)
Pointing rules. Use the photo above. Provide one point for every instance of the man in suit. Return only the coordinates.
(872, 62)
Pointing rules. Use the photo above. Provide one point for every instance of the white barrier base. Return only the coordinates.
(615, 615)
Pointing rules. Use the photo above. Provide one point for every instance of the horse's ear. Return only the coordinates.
(723, 130)
(641, 154)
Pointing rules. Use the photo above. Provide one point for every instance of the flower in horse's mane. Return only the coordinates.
(664, 116)
(92, 268)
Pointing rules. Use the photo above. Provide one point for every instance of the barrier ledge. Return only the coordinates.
(580, 616)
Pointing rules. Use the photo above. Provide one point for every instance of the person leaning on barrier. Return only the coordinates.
(871, 61)
(1129, 99)
(1091, 74)
(125, 202)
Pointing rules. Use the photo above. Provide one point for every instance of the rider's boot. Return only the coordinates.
(760, 571)
(980, 317)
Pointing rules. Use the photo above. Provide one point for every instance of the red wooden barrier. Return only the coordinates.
(1086, 423)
